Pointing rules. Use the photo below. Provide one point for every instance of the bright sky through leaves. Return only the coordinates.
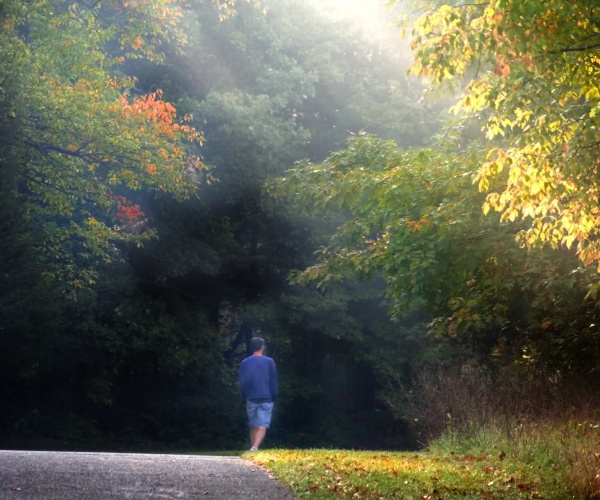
(372, 15)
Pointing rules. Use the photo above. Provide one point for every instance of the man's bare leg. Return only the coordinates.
(257, 434)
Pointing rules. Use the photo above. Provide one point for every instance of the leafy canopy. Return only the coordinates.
(414, 219)
(84, 141)
(532, 70)
(408, 217)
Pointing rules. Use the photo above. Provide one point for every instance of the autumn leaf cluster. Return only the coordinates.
(83, 138)
(528, 71)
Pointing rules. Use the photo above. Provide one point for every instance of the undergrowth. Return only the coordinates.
(534, 417)
(566, 453)
(485, 435)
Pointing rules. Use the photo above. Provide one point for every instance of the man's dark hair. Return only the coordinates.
(256, 343)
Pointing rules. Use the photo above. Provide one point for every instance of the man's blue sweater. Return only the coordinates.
(258, 378)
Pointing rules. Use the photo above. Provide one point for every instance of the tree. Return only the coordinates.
(267, 89)
(83, 142)
(413, 218)
(82, 153)
(530, 71)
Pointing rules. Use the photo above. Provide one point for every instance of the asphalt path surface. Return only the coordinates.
(68, 475)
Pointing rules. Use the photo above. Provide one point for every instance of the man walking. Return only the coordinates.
(259, 386)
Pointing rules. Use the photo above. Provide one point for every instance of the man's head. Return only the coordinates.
(256, 344)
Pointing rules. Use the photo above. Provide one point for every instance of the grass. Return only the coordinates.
(423, 476)
(507, 438)
(504, 460)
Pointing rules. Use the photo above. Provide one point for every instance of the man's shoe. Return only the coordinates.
(254, 448)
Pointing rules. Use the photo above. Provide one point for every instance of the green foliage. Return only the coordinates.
(126, 369)
(407, 219)
(249, 138)
(93, 160)
(533, 82)
(414, 219)
(83, 142)
(335, 349)
(264, 99)
(323, 78)
(78, 153)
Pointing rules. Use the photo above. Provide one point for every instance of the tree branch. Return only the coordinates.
(579, 49)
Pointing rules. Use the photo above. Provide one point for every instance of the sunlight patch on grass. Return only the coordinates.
(375, 475)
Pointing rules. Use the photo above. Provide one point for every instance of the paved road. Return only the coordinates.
(97, 476)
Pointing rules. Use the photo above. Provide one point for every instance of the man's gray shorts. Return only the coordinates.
(259, 414)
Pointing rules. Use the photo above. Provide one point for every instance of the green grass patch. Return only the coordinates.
(427, 475)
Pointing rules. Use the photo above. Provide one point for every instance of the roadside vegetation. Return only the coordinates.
(421, 251)
(485, 437)
(429, 475)
(500, 386)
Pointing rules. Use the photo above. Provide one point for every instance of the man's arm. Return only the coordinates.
(273, 382)
(242, 380)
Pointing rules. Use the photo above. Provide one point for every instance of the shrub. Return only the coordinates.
(544, 420)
